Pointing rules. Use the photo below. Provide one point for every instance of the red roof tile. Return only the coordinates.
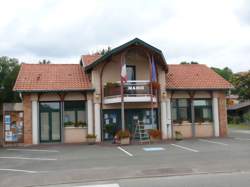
(46, 77)
(89, 59)
(194, 76)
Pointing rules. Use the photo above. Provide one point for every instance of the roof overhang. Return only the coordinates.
(117, 50)
(53, 91)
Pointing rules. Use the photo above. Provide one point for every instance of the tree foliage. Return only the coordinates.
(241, 81)
(191, 62)
(9, 68)
(104, 51)
(44, 61)
(226, 73)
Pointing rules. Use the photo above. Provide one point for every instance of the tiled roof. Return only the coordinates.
(239, 105)
(194, 76)
(89, 59)
(47, 77)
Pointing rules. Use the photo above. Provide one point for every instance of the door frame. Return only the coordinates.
(50, 121)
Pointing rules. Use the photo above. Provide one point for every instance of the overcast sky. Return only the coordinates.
(212, 32)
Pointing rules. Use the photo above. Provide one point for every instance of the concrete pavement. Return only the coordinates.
(57, 165)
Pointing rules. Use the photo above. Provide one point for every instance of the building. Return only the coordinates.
(240, 112)
(65, 102)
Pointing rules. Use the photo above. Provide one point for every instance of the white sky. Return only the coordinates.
(212, 32)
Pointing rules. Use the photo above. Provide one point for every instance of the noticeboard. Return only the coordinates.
(13, 126)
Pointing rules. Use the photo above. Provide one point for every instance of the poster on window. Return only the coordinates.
(13, 127)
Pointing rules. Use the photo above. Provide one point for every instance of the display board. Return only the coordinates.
(13, 126)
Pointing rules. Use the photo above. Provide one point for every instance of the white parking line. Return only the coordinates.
(214, 142)
(186, 148)
(129, 154)
(246, 139)
(101, 185)
(27, 158)
(35, 150)
(18, 170)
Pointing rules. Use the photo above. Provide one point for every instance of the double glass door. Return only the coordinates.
(50, 122)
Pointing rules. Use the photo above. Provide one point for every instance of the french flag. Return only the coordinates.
(124, 76)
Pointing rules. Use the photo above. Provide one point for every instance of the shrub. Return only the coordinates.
(154, 133)
(123, 134)
(91, 136)
(246, 117)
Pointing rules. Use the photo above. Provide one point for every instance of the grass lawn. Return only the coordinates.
(239, 126)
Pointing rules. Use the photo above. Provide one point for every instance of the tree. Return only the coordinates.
(44, 61)
(241, 81)
(104, 51)
(226, 73)
(191, 62)
(9, 68)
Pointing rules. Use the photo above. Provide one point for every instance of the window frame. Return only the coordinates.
(178, 111)
(207, 106)
(75, 110)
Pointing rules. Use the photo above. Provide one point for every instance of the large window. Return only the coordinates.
(75, 114)
(131, 74)
(203, 110)
(181, 110)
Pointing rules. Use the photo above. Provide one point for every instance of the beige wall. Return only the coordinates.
(75, 135)
(69, 96)
(204, 130)
(185, 129)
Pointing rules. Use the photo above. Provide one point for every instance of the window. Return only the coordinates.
(74, 114)
(131, 72)
(203, 110)
(181, 110)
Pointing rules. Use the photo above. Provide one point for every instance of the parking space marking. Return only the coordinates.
(246, 139)
(18, 170)
(153, 149)
(101, 185)
(123, 150)
(214, 142)
(34, 150)
(28, 158)
(186, 148)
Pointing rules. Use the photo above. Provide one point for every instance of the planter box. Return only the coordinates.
(91, 141)
(125, 141)
(154, 140)
(75, 134)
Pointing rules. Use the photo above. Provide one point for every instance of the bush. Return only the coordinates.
(123, 134)
(154, 133)
(91, 136)
(246, 117)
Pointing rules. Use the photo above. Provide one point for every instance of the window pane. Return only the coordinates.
(55, 125)
(130, 72)
(49, 106)
(205, 102)
(174, 114)
(81, 116)
(69, 116)
(183, 113)
(182, 102)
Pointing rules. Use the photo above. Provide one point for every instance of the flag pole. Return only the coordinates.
(151, 89)
(122, 95)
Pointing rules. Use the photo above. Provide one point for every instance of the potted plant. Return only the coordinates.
(155, 135)
(123, 136)
(91, 139)
(178, 135)
(155, 85)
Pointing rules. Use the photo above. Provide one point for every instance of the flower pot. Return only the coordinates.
(178, 137)
(125, 141)
(154, 140)
(91, 141)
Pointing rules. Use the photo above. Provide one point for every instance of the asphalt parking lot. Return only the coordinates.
(68, 165)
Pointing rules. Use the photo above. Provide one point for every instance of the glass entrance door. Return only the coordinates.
(50, 122)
